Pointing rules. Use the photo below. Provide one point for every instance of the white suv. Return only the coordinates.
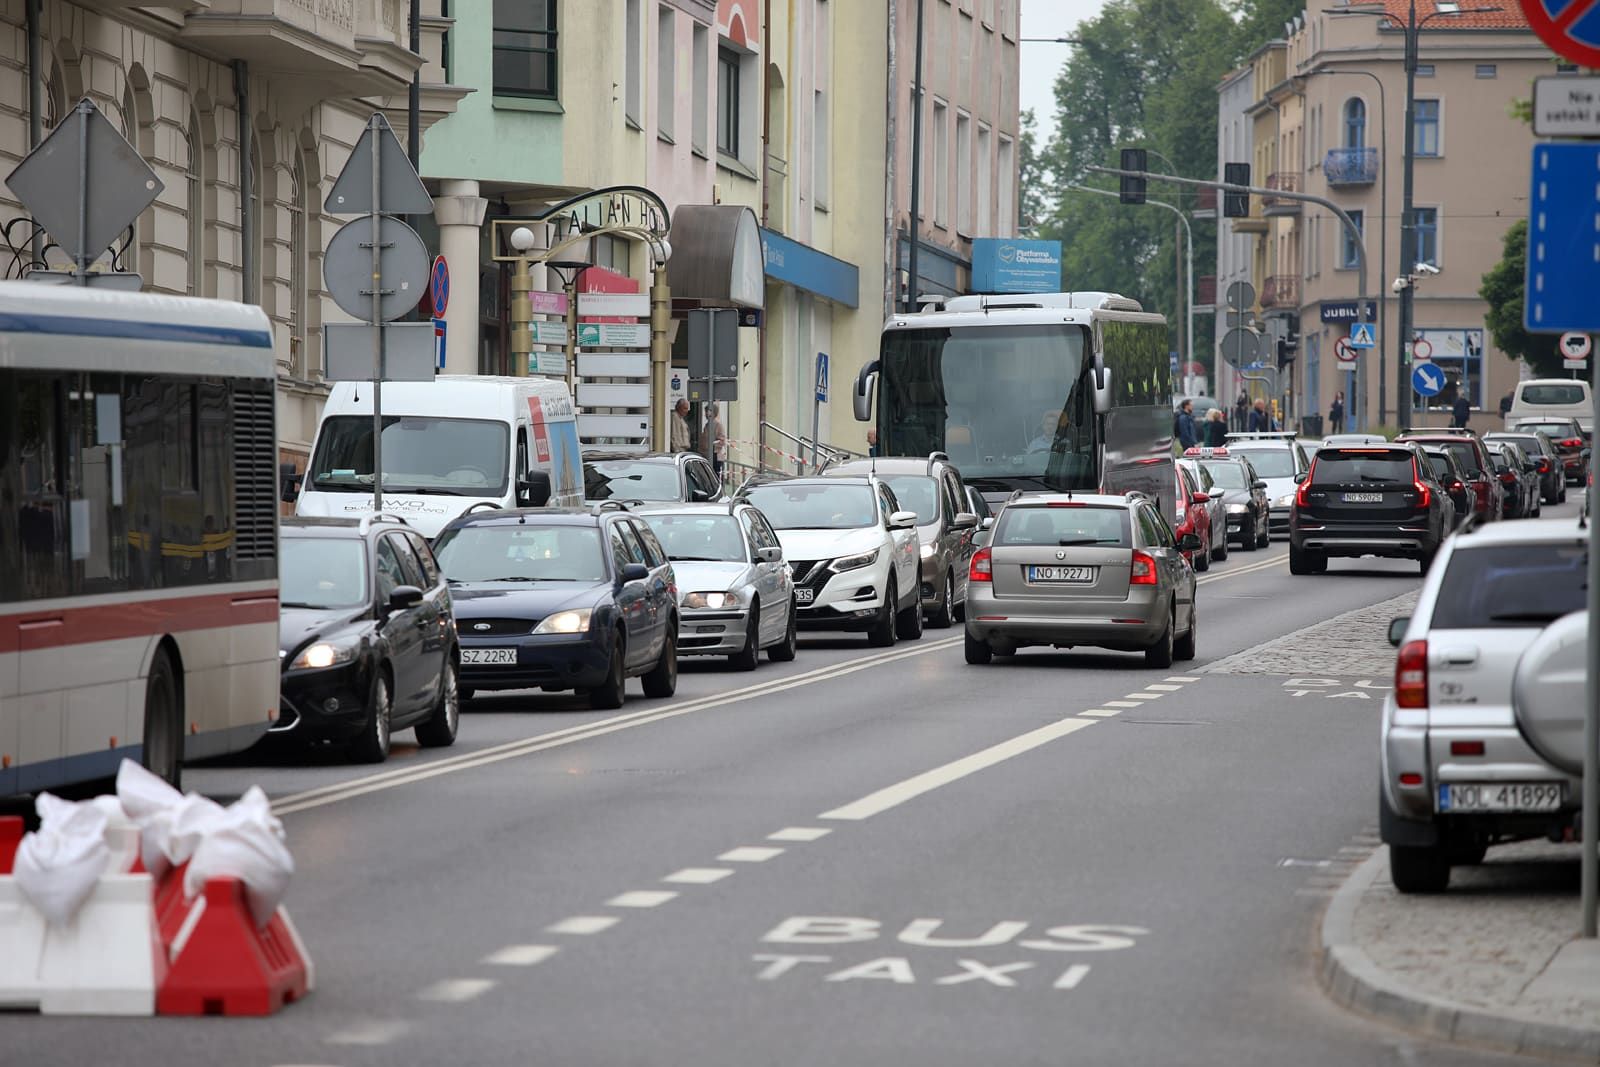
(1456, 773)
(1279, 459)
(853, 551)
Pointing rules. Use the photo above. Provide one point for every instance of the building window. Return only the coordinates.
(194, 177)
(1485, 70)
(728, 102)
(698, 125)
(525, 48)
(1005, 171)
(633, 75)
(299, 267)
(1348, 253)
(1355, 123)
(985, 225)
(1425, 141)
(666, 70)
(820, 157)
(963, 173)
(1425, 220)
(941, 164)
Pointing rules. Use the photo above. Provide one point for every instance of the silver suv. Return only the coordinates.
(1456, 773)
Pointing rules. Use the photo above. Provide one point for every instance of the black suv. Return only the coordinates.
(682, 477)
(366, 636)
(1368, 501)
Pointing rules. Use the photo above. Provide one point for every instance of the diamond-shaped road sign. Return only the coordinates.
(109, 183)
(400, 191)
(1361, 335)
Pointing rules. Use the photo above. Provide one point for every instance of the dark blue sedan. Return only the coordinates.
(562, 599)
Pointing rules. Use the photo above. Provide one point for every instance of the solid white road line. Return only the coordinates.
(749, 854)
(698, 875)
(895, 795)
(456, 990)
(1266, 564)
(1101, 713)
(799, 833)
(642, 898)
(368, 1032)
(520, 955)
(583, 924)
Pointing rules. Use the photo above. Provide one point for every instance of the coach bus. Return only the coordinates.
(138, 532)
(1042, 393)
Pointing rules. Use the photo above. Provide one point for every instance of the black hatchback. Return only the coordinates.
(1368, 501)
(366, 636)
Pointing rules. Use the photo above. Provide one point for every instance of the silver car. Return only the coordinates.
(1074, 569)
(1277, 458)
(735, 593)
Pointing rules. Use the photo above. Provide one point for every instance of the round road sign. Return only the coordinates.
(439, 285)
(1576, 345)
(1427, 379)
(1422, 349)
(1572, 30)
(402, 258)
(1344, 353)
(1239, 345)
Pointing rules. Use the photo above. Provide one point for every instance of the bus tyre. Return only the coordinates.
(162, 752)
(372, 743)
(439, 730)
(978, 651)
(882, 633)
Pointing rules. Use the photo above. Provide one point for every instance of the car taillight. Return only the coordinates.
(1300, 500)
(1508, 477)
(1544, 466)
(1423, 496)
(1144, 570)
(1457, 487)
(1573, 442)
(982, 568)
(1411, 675)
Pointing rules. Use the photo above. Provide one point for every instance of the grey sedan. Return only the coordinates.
(735, 593)
(1073, 569)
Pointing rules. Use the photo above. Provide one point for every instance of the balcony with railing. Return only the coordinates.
(1281, 291)
(1277, 205)
(347, 47)
(1350, 166)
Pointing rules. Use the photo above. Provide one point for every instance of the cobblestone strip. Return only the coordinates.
(1355, 643)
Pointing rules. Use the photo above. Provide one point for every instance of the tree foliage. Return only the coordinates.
(1503, 288)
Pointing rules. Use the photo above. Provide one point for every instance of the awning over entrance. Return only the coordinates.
(816, 272)
(716, 256)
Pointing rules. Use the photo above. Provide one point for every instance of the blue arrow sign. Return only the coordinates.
(1361, 335)
(1427, 380)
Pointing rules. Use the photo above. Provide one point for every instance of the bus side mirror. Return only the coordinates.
(1102, 388)
(861, 398)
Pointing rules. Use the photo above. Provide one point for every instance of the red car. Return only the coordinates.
(1194, 517)
(1488, 495)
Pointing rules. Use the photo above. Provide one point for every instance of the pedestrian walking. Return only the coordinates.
(680, 426)
(1460, 411)
(717, 437)
(1216, 429)
(1183, 425)
(1505, 407)
(1241, 410)
(1260, 418)
(1336, 413)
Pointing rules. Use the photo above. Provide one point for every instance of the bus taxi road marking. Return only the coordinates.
(348, 790)
(1336, 689)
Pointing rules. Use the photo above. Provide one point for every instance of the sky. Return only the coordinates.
(1041, 62)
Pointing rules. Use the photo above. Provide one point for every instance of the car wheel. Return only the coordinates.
(1220, 548)
(439, 731)
(882, 633)
(978, 652)
(908, 623)
(1202, 558)
(1562, 499)
(162, 750)
(1266, 533)
(784, 651)
(372, 744)
(1184, 647)
(1297, 560)
(1426, 560)
(1318, 561)
(662, 679)
(1247, 536)
(610, 694)
(747, 657)
(1467, 853)
(944, 616)
(1419, 869)
(1160, 653)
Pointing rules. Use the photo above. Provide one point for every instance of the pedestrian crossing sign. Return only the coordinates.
(1361, 335)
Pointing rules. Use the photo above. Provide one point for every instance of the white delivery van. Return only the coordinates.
(447, 444)
(1543, 398)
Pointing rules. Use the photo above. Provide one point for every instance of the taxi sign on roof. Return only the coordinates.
(1205, 452)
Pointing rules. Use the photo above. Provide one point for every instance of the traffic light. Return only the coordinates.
(1132, 191)
(1284, 355)
(1291, 337)
(1235, 205)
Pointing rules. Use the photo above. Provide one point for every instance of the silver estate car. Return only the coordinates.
(1074, 569)
(735, 594)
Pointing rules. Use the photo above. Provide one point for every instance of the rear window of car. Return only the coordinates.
(1560, 431)
(1441, 466)
(1467, 456)
(1515, 585)
(1362, 465)
(1552, 393)
(1073, 524)
(1270, 462)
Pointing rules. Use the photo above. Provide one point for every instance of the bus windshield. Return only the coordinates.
(1009, 404)
(421, 454)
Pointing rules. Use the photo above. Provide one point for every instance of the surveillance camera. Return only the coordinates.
(1427, 268)
(1401, 284)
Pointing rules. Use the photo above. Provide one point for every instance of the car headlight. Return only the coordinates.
(565, 622)
(855, 562)
(316, 657)
(711, 600)
(1238, 509)
(927, 551)
(1285, 501)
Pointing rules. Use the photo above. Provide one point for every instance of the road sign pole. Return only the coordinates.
(377, 320)
(1590, 870)
(82, 258)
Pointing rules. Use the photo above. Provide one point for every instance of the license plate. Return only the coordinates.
(1363, 498)
(489, 655)
(1500, 796)
(803, 596)
(1060, 574)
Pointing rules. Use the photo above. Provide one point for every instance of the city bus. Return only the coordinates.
(138, 532)
(1043, 393)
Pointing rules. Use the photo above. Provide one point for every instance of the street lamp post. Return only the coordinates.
(660, 344)
(521, 241)
(569, 271)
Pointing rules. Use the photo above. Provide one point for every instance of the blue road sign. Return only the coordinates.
(439, 286)
(1427, 379)
(1361, 335)
(822, 377)
(1563, 239)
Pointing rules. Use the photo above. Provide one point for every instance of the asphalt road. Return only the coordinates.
(862, 857)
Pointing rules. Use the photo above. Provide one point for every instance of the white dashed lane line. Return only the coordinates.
(1124, 703)
(641, 898)
(456, 990)
(1183, 678)
(749, 854)
(520, 955)
(368, 1032)
(1143, 696)
(1158, 687)
(583, 924)
(698, 875)
(1101, 713)
(800, 833)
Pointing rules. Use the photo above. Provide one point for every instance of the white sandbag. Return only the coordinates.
(152, 804)
(246, 843)
(192, 820)
(58, 866)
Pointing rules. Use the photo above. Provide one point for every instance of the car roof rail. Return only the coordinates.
(608, 504)
(379, 516)
(936, 457)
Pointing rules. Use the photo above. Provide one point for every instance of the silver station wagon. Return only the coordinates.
(1073, 569)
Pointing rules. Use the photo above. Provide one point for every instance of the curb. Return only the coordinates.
(1350, 978)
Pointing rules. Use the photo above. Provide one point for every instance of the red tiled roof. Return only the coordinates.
(1509, 17)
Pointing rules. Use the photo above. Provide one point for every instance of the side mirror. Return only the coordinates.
(1190, 543)
(402, 597)
(1300, 479)
(964, 520)
(988, 523)
(1397, 629)
(1530, 466)
(1103, 400)
(770, 554)
(861, 397)
(1258, 484)
(288, 483)
(698, 496)
(634, 572)
(533, 490)
(903, 520)
(1200, 498)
